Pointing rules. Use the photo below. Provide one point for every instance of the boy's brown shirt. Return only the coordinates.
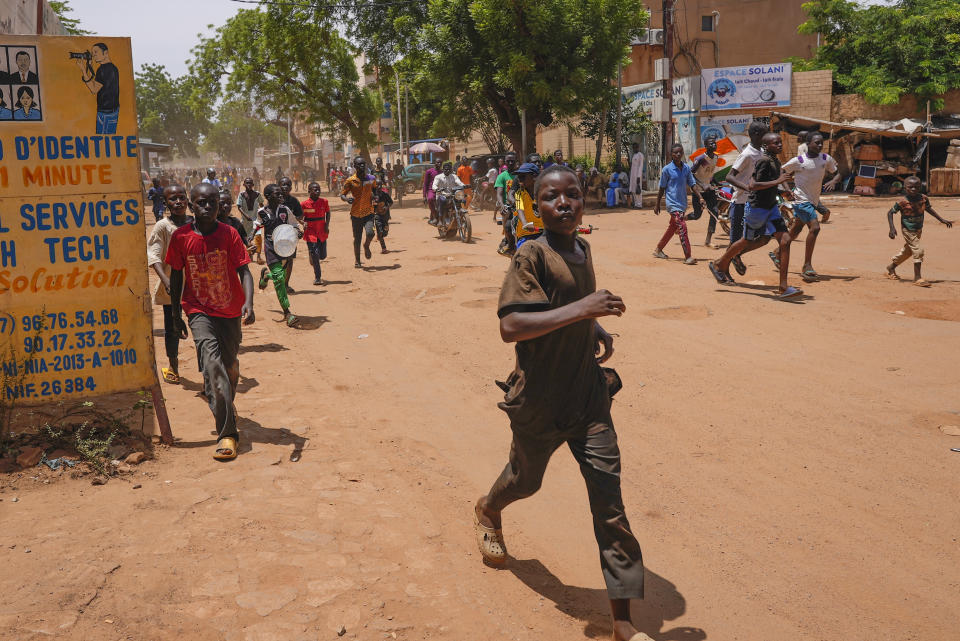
(557, 387)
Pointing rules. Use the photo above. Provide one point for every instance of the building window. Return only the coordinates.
(706, 23)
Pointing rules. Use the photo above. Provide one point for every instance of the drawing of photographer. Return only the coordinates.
(22, 75)
(105, 83)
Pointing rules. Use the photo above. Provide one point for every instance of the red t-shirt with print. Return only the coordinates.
(211, 284)
(315, 214)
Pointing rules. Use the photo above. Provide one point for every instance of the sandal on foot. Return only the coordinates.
(891, 276)
(490, 542)
(263, 278)
(789, 292)
(170, 376)
(722, 277)
(367, 253)
(775, 258)
(739, 266)
(810, 275)
(659, 254)
(690, 260)
(292, 321)
(226, 449)
(922, 283)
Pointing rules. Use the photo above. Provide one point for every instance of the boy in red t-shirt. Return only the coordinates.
(210, 281)
(316, 215)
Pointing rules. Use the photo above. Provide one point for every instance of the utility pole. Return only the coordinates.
(289, 150)
(39, 17)
(406, 121)
(618, 138)
(396, 75)
(668, 82)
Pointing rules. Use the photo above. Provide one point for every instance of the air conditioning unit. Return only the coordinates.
(649, 37)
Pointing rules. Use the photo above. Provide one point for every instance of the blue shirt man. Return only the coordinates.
(674, 180)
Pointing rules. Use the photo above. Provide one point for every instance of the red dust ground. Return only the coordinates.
(782, 463)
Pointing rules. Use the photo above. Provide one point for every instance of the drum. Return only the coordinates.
(285, 240)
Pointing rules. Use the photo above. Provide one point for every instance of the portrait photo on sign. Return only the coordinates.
(6, 103)
(26, 102)
(22, 66)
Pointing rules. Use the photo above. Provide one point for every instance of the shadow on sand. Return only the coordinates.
(662, 603)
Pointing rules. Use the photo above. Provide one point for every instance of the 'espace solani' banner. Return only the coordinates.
(745, 87)
(74, 311)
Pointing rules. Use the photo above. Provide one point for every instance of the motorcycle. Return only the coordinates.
(454, 217)
(485, 196)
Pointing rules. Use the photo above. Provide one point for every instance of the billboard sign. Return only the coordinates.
(745, 87)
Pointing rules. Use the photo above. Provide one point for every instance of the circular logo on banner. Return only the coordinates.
(721, 90)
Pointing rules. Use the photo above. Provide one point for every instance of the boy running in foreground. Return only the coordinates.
(674, 180)
(739, 176)
(911, 210)
(558, 392)
(762, 219)
(808, 171)
(176, 203)
(210, 280)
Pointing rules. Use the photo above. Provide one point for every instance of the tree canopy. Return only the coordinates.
(476, 60)
(288, 58)
(72, 25)
(165, 110)
(236, 132)
(886, 51)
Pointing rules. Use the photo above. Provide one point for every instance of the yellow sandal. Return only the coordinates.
(226, 449)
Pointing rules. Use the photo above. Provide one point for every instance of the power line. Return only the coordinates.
(306, 4)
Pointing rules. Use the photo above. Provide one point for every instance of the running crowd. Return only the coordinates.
(560, 390)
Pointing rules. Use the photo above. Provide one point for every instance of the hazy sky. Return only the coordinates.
(161, 32)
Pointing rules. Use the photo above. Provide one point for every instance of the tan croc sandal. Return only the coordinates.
(922, 283)
(490, 541)
(226, 449)
(891, 276)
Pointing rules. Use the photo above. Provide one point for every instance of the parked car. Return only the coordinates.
(412, 177)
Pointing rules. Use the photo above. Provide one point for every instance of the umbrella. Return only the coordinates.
(425, 148)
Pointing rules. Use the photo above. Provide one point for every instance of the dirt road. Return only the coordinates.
(783, 467)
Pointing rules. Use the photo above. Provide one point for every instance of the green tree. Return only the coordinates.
(72, 25)
(289, 58)
(236, 132)
(165, 110)
(549, 58)
(601, 123)
(886, 51)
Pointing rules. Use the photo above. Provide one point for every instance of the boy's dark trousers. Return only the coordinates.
(317, 252)
(736, 222)
(710, 196)
(171, 337)
(597, 452)
(218, 343)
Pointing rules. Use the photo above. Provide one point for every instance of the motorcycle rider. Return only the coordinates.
(444, 184)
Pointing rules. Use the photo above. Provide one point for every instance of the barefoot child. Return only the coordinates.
(674, 180)
(911, 210)
(808, 171)
(558, 393)
(316, 215)
(211, 282)
(175, 199)
(762, 219)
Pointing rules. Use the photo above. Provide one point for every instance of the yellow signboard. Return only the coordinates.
(74, 310)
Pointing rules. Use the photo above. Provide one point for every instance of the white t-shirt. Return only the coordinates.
(447, 183)
(808, 175)
(492, 174)
(744, 166)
